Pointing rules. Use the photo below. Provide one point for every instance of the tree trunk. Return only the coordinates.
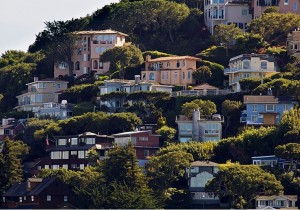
(171, 37)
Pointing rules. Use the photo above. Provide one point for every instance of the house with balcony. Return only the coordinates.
(89, 45)
(71, 152)
(144, 142)
(198, 174)
(173, 70)
(11, 127)
(227, 12)
(40, 92)
(199, 128)
(265, 110)
(274, 161)
(38, 193)
(60, 111)
(128, 86)
(293, 43)
(202, 90)
(243, 66)
(285, 6)
(276, 202)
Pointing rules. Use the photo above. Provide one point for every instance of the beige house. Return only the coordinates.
(89, 46)
(174, 70)
(276, 202)
(226, 12)
(293, 43)
(250, 66)
(39, 92)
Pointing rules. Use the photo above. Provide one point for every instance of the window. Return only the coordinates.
(73, 152)
(211, 128)
(285, 107)
(55, 155)
(6, 132)
(100, 65)
(84, 57)
(167, 75)
(90, 140)
(246, 64)
(151, 76)
(295, 6)
(270, 107)
(38, 98)
(41, 85)
(20, 199)
(65, 154)
(48, 197)
(63, 65)
(58, 86)
(178, 64)
(163, 75)
(62, 141)
(77, 65)
(81, 166)
(81, 155)
(279, 203)
(263, 65)
(176, 75)
(143, 138)
(215, 1)
(65, 198)
(183, 75)
(244, 12)
(54, 167)
(254, 118)
(95, 65)
(74, 141)
(254, 108)
(241, 25)
(146, 153)
(183, 63)
(189, 74)
(46, 167)
(65, 166)
(221, 1)
(168, 65)
(295, 46)
(32, 198)
(286, 2)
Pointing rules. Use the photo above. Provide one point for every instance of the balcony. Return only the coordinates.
(215, 117)
(200, 92)
(211, 132)
(22, 103)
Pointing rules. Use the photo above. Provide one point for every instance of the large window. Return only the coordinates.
(55, 155)
(62, 141)
(38, 98)
(254, 118)
(81, 154)
(74, 141)
(270, 107)
(65, 154)
(295, 6)
(254, 108)
(90, 140)
(211, 128)
(41, 85)
(95, 65)
(175, 75)
(151, 76)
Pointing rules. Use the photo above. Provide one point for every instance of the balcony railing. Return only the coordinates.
(24, 103)
(200, 92)
(212, 132)
(202, 118)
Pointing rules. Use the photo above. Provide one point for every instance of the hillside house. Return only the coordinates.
(250, 66)
(293, 43)
(276, 202)
(89, 45)
(173, 70)
(10, 127)
(199, 128)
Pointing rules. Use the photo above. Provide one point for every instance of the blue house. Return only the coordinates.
(265, 110)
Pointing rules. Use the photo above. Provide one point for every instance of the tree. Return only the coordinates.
(226, 33)
(290, 151)
(272, 9)
(11, 155)
(231, 109)
(249, 43)
(205, 107)
(167, 133)
(122, 57)
(248, 84)
(289, 127)
(202, 74)
(242, 183)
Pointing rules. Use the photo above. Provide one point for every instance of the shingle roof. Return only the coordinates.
(107, 31)
(260, 99)
(204, 163)
(205, 86)
(174, 58)
(272, 197)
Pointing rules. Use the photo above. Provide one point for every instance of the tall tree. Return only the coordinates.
(205, 107)
(226, 33)
(122, 57)
(202, 74)
(231, 109)
(290, 151)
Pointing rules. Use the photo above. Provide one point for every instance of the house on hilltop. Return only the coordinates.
(89, 45)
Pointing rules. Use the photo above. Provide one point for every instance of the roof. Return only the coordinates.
(248, 56)
(204, 163)
(260, 99)
(107, 31)
(174, 58)
(129, 133)
(48, 80)
(205, 86)
(273, 197)
(43, 185)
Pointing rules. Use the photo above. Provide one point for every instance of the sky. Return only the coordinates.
(21, 20)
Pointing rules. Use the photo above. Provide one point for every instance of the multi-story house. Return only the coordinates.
(10, 127)
(174, 70)
(273, 161)
(199, 128)
(276, 202)
(198, 174)
(38, 193)
(61, 111)
(293, 43)
(145, 143)
(128, 86)
(227, 12)
(285, 6)
(40, 92)
(71, 152)
(250, 66)
(265, 110)
(89, 45)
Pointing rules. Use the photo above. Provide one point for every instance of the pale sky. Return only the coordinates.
(21, 20)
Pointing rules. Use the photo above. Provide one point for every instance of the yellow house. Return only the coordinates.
(250, 66)
(174, 70)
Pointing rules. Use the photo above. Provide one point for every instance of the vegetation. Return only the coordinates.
(205, 107)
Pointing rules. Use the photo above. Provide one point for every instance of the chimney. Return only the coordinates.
(196, 118)
(137, 79)
(148, 58)
(4, 121)
(270, 92)
(35, 79)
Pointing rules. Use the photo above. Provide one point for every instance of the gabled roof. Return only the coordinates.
(273, 197)
(174, 58)
(107, 31)
(259, 99)
(205, 86)
(204, 163)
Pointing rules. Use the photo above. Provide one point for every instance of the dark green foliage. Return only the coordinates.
(249, 84)
(156, 54)
(202, 74)
(148, 113)
(247, 43)
(214, 53)
(242, 183)
(84, 107)
(205, 107)
(231, 111)
(217, 73)
(80, 93)
(167, 134)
